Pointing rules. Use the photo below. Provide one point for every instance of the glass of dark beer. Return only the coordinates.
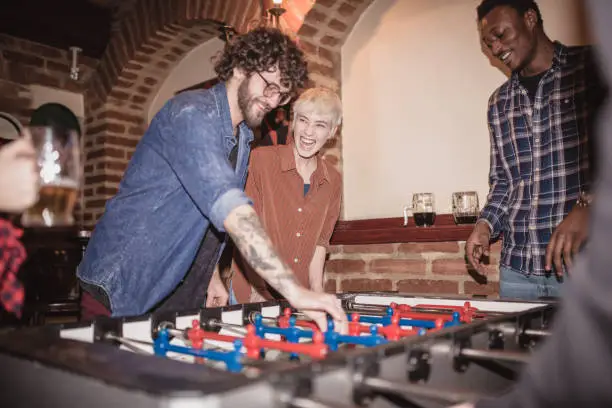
(59, 166)
(423, 210)
(465, 207)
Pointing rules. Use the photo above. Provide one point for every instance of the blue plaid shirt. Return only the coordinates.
(540, 155)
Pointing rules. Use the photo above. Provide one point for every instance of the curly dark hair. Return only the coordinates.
(261, 49)
(521, 6)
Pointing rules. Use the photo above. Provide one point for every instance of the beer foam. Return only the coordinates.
(62, 182)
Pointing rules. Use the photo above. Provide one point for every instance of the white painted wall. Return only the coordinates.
(415, 86)
(72, 100)
(197, 66)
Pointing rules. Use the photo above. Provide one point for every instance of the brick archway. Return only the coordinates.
(149, 41)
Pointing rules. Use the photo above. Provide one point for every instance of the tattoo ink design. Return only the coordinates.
(254, 244)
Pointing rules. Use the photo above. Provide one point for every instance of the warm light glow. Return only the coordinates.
(290, 14)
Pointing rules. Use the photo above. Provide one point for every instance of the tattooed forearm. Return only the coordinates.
(244, 227)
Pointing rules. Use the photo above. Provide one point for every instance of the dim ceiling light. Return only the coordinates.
(276, 11)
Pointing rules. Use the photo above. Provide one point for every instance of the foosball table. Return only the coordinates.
(400, 351)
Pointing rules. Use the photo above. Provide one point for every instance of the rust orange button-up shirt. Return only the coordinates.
(296, 223)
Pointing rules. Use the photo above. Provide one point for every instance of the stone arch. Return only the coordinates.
(149, 41)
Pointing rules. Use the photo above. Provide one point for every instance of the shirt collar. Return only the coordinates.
(223, 108)
(287, 162)
(560, 55)
(559, 59)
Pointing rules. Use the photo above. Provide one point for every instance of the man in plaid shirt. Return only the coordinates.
(540, 123)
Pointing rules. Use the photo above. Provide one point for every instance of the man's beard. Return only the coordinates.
(246, 103)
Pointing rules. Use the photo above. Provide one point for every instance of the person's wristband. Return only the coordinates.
(584, 200)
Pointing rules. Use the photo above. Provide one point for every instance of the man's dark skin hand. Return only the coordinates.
(567, 239)
(478, 245)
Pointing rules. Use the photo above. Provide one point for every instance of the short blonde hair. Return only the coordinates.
(320, 101)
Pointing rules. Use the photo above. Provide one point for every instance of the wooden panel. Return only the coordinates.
(390, 230)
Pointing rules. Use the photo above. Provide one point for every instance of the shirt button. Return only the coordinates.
(532, 227)
(300, 209)
(296, 260)
(537, 139)
(297, 234)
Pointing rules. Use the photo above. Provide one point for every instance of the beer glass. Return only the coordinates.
(465, 207)
(59, 165)
(423, 210)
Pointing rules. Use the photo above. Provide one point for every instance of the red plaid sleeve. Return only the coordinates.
(12, 255)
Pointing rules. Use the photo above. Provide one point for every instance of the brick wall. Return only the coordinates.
(433, 268)
(24, 63)
(115, 126)
(146, 44)
(149, 41)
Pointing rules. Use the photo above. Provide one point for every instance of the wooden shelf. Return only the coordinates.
(391, 230)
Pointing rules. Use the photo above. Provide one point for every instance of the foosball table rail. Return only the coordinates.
(451, 366)
(100, 363)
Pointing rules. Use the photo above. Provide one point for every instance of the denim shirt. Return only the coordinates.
(178, 184)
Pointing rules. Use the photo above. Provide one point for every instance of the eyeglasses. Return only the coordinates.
(271, 90)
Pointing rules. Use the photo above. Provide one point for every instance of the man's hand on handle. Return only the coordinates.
(477, 246)
(317, 305)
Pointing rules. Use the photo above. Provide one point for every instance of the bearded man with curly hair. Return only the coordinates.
(157, 244)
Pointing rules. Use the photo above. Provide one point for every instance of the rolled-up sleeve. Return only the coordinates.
(224, 205)
(193, 145)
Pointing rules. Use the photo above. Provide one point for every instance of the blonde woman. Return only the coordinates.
(297, 195)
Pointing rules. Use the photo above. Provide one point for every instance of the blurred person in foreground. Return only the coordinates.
(18, 191)
(573, 368)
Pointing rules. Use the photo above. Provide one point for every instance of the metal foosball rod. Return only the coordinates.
(508, 356)
(433, 309)
(537, 333)
(253, 343)
(477, 354)
(133, 345)
(270, 321)
(382, 311)
(300, 402)
(182, 334)
(512, 330)
(364, 307)
(185, 333)
(467, 307)
(236, 328)
(283, 321)
(416, 391)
